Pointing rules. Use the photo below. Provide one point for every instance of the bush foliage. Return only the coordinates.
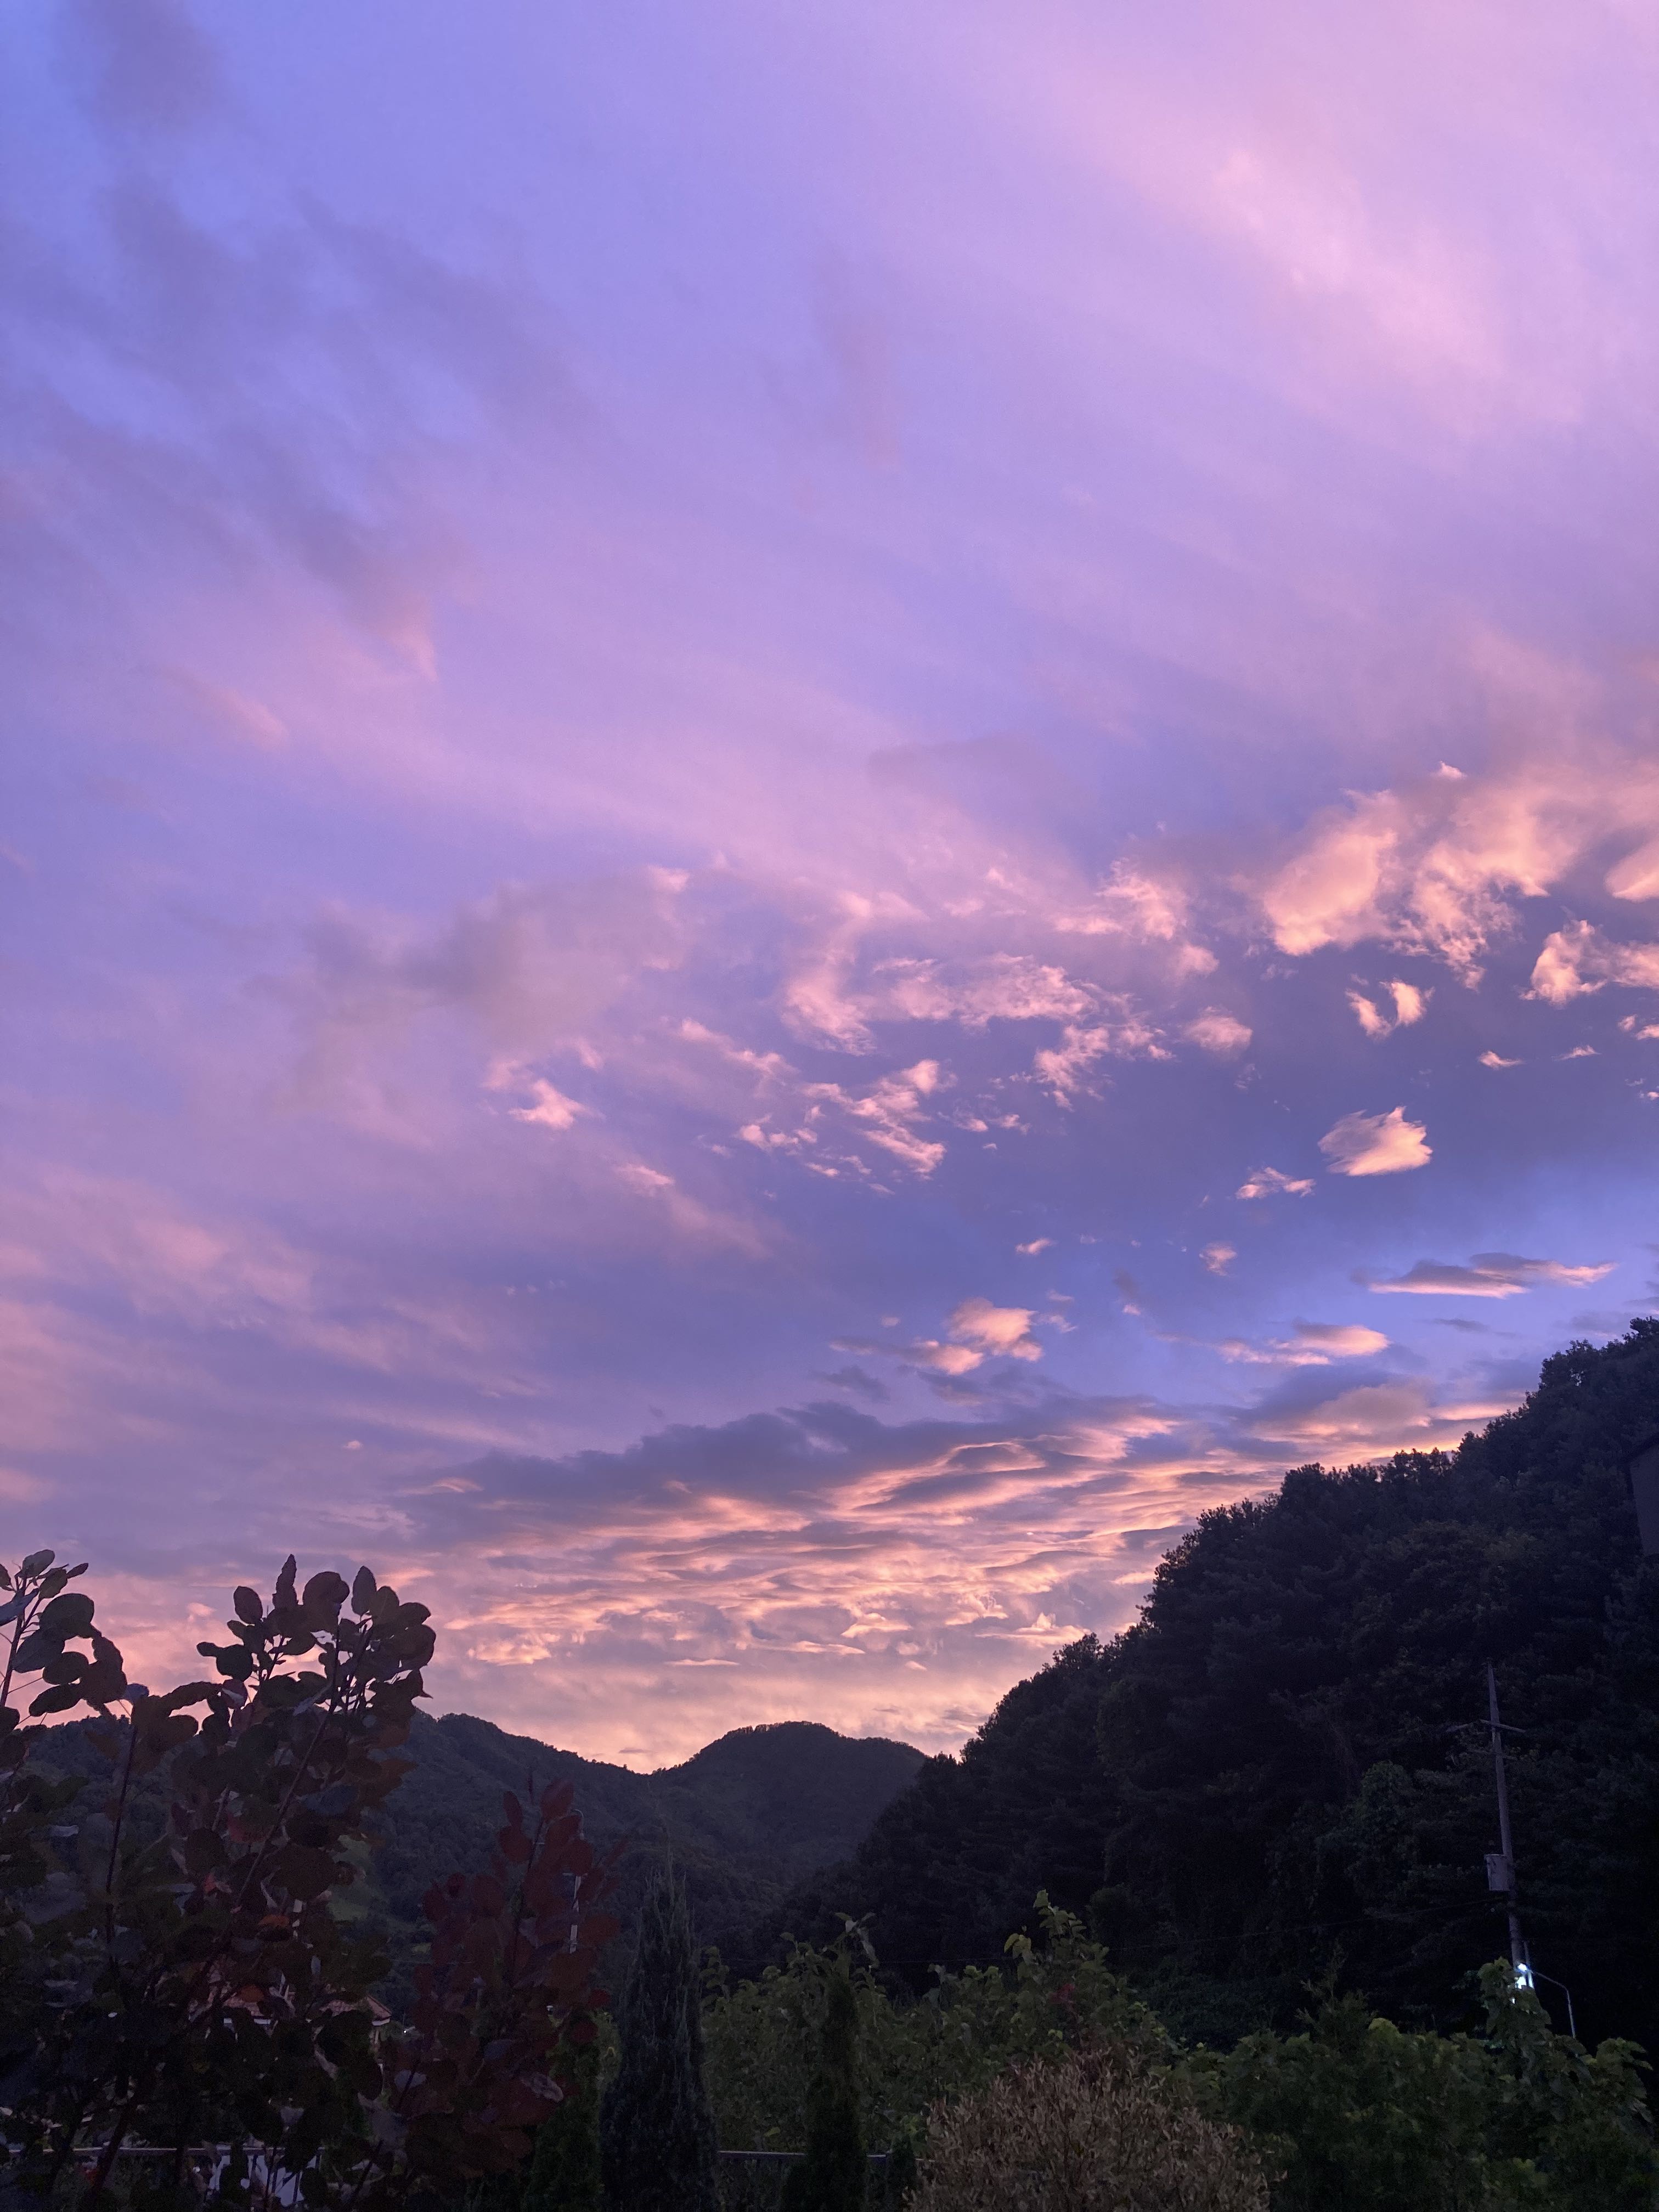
(1098, 2130)
(1357, 2115)
(764, 2037)
(196, 1986)
(1349, 2113)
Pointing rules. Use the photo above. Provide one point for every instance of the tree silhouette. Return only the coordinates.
(657, 2126)
(833, 2175)
(196, 1984)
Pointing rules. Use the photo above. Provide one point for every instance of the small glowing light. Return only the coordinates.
(1524, 1977)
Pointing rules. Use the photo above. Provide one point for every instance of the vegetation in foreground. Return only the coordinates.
(197, 1987)
(1273, 1770)
(185, 2007)
(1094, 2131)
(657, 2141)
(1347, 2112)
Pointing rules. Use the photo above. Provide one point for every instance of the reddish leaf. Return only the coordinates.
(303, 1873)
(322, 1598)
(58, 1701)
(68, 1616)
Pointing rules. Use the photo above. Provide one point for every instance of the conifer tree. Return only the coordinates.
(657, 2127)
(563, 2175)
(832, 2176)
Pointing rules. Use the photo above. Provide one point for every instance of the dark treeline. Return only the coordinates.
(1264, 1782)
(739, 1822)
(1235, 1846)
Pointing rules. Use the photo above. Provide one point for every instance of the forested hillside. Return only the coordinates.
(741, 1819)
(1267, 1779)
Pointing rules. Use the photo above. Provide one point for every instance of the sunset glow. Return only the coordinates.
(808, 809)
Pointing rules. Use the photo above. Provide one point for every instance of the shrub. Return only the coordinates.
(1099, 2131)
(199, 1984)
(1357, 2115)
(765, 2036)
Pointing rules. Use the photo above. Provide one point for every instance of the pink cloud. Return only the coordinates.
(1491, 1275)
(1579, 960)
(1375, 1144)
(628, 793)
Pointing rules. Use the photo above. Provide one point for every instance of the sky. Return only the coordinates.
(807, 810)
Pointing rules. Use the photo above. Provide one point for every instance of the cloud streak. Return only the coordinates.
(1491, 1275)
(670, 728)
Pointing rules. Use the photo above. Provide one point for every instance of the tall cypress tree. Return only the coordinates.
(563, 2174)
(657, 2126)
(832, 2176)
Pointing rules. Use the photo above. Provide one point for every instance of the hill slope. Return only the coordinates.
(742, 1819)
(1265, 1779)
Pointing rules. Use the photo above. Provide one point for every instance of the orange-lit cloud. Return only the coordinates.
(669, 728)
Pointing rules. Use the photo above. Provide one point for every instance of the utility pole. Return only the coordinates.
(1500, 1864)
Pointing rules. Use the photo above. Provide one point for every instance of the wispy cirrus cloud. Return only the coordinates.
(1006, 987)
(632, 797)
(1491, 1275)
(1314, 1344)
(1067, 1069)
(1274, 1182)
(892, 1113)
(549, 1109)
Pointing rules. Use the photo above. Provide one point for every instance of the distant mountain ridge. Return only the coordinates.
(743, 1819)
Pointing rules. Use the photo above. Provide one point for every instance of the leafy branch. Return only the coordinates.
(200, 1984)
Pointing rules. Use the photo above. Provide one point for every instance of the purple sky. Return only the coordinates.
(807, 808)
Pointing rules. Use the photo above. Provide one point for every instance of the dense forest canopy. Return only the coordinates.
(739, 1822)
(1272, 1796)
(1269, 1779)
